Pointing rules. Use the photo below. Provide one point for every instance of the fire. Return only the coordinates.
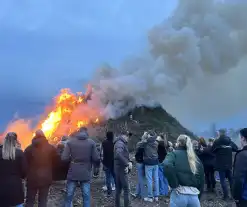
(67, 114)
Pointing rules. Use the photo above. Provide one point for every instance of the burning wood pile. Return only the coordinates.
(67, 114)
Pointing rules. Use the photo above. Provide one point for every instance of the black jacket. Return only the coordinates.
(139, 153)
(239, 184)
(223, 148)
(41, 158)
(207, 157)
(108, 153)
(161, 151)
(11, 174)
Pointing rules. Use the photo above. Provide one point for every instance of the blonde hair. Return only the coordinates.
(9, 146)
(185, 141)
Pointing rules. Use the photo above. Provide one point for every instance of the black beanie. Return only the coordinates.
(243, 133)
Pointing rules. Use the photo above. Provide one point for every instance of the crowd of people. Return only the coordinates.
(180, 170)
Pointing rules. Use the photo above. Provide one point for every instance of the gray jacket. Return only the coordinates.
(150, 147)
(121, 153)
(81, 152)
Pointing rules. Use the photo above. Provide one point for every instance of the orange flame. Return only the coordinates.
(68, 113)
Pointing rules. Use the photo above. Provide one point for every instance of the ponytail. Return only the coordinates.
(185, 141)
(191, 155)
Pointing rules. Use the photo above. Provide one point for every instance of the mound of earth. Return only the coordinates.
(142, 119)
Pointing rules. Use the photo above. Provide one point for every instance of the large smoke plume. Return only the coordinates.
(196, 66)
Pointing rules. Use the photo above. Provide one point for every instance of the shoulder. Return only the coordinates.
(19, 152)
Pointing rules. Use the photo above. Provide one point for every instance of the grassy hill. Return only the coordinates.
(144, 119)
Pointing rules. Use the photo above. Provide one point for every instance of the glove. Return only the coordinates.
(130, 166)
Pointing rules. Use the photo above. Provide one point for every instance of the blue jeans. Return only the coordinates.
(177, 200)
(140, 180)
(109, 179)
(163, 183)
(20, 205)
(85, 189)
(223, 175)
(152, 172)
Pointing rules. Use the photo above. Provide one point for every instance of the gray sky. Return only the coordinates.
(46, 45)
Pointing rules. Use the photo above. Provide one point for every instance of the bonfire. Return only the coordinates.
(68, 112)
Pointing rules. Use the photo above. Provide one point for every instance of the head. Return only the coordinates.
(83, 129)
(221, 132)
(170, 144)
(185, 142)
(9, 146)
(202, 142)
(210, 142)
(243, 137)
(109, 136)
(126, 135)
(39, 134)
(195, 144)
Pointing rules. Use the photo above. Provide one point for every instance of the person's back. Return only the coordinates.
(40, 156)
(185, 174)
(13, 170)
(239, 184)
(108, 160)
(82, 154)
(223, 148)
(121, 168)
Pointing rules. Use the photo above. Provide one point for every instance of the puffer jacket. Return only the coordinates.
(82, 153)
(177, 170)
(121, 154)
(223, 148)
(150, 146)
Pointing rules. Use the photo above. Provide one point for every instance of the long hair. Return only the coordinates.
(9, 146)
(185, 141)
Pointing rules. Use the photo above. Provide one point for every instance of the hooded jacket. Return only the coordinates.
(41, 157)
(223, 148)
(108, 152)
(11, 174)
(150, 146)
(239, 184)
(82, 153)
(121, 154)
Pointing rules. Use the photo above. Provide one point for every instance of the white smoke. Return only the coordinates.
(196, 66)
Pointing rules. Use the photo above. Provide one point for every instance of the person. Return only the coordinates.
(239, 184)
(202, 143)
(162, 152)
(108, 161)
(208, 160)
(96, 166)
(140, 169)
(170, 147)
(122, 166)
(151, 162)
(81, 152)
(40, 156)
(185, 174)
(13, 170)
(223, 148)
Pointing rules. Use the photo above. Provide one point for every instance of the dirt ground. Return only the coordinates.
(99, 199)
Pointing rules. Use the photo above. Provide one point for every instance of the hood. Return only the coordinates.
(120, 138)
(225, 140)
(37, 141)
(82, 135)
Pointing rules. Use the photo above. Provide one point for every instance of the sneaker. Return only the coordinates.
(148, 200)
(113, 187)
(156, 199)
(104, 188)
